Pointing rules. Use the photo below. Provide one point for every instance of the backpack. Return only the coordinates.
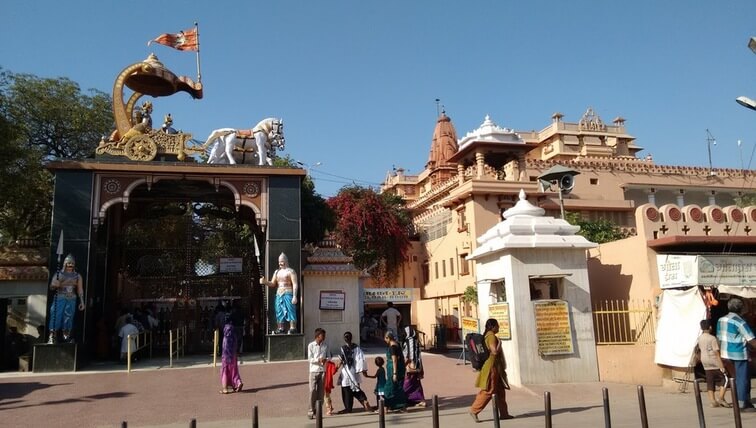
(476, 346)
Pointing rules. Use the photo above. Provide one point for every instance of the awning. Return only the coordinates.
(550, 276)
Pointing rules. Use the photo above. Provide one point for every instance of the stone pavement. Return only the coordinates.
(160, 397)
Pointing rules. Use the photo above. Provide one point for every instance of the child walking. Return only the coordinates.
(330, 369)
(380, 378)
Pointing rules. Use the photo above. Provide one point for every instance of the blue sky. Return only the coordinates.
(356, 81)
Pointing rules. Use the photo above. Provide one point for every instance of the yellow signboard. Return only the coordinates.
(500, 312)
(553, 327)
(470, 325)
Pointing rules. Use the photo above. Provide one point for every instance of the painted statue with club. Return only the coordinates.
(68, 286)
(285, 279)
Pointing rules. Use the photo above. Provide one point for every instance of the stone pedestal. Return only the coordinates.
(285, 347)
(59, 357)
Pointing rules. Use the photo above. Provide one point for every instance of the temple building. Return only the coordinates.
(469, 182)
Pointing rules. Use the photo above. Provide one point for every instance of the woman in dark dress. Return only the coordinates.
(394, 395)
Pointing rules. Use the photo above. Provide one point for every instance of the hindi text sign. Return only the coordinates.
(500, 312)
(553, 327)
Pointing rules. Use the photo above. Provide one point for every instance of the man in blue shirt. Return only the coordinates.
(734, 337)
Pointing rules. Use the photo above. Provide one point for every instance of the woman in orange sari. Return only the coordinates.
(492, 374)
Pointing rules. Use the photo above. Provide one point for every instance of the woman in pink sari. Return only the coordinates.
(230, 368)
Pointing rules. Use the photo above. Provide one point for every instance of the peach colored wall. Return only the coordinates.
(614, 274)
(615, 366)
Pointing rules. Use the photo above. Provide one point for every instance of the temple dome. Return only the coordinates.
(444, 143)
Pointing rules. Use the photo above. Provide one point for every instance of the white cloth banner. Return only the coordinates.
(681, 311)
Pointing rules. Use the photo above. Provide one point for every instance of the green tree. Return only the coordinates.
(317, 217)
(599, 231)
(41, 119)
(746, 200)
(373, 229)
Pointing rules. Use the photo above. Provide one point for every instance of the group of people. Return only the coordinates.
(726, 356)
(398, 383)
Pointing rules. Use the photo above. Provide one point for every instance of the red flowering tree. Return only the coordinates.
(373, 229)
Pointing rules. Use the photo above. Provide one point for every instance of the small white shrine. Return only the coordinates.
(532, 277)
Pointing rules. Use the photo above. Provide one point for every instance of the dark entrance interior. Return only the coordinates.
(182, 251)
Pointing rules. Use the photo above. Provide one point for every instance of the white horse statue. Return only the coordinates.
(268, 136)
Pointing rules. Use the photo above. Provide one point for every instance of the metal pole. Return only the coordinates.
(607, 412)
(319, 414)
(547, 409)
(735, 405)
(193, 423)
(642, 405)
(495, 406)
(170, 348)
(128, 353)
(435, 411)
(699, 404)
(381, 414)
(124, 424)
(561, 201)
(215, 347)
(255, 419)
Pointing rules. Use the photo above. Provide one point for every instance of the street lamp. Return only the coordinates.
(746, 102)
(307, 166)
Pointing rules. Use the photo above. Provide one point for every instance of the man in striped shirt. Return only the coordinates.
(734, 337)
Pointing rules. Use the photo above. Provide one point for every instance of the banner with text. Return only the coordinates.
(553, 327)
(686, 271)
(384, 295)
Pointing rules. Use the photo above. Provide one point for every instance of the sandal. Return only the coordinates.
(224, 391)
(239, 388)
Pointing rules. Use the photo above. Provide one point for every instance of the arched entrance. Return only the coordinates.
(182, 251)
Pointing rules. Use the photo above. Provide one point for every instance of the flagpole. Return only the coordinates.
(199, 74)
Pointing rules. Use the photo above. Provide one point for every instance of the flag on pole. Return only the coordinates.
(187, 40)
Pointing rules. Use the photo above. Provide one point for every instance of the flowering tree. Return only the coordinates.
(373, 229)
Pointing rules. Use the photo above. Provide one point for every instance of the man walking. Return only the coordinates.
(317, 352)
(391, 318)
(734, 335)
(352, 366)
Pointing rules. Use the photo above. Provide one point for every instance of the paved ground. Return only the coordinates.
(157, 396)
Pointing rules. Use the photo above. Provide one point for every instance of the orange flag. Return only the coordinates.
(187, 40)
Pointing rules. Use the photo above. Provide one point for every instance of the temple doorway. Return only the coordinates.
(181, 251)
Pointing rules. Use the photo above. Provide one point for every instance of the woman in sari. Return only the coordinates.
(414, 368)
(393, 391)
(230, 365)
(491, 378)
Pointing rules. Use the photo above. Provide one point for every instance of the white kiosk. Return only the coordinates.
(532, 276)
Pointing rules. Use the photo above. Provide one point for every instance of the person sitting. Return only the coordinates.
(128, 329)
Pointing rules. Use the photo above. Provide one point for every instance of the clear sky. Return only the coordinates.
(356, 81)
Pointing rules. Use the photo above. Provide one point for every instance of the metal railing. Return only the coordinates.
(176, 343)
(622, 322)
(141, 340)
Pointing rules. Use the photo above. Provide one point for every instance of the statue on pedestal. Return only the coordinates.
(68, 285)
(285, 279)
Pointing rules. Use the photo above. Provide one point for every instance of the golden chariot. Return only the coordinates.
(136, 140)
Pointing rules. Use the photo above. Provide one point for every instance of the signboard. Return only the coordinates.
(470, 325)
(384, 295)
(686, 271)
(553, 327)
(230, 265)
(333, 300)
(500, 312)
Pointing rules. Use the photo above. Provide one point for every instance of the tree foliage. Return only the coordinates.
(41, 119)
(599, 231)
(470, 295)
(317, 217)
(373, 229)
(746, 200)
